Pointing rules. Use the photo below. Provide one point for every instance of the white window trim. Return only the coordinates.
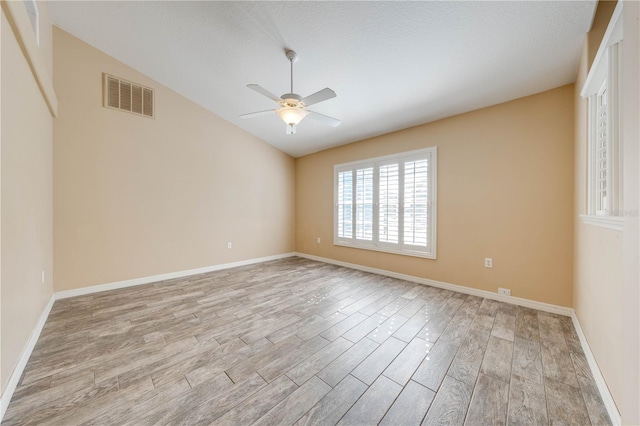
(606, 68)
(610, 222)
(383, 246)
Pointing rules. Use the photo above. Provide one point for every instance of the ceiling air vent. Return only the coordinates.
(127, 96)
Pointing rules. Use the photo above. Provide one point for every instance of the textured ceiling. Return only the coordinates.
(392, 64)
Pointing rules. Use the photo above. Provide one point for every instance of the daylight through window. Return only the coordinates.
(388, 203)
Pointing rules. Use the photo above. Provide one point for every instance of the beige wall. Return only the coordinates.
(630, 99)
(26, 195)
(598, 293)
(137, 197)
(505, 187)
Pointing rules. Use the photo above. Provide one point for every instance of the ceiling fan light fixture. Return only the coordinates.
(292, 106)
(292, 115)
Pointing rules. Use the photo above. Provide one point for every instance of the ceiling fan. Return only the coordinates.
(293, 106)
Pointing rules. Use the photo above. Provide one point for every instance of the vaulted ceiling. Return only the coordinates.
(393, 65)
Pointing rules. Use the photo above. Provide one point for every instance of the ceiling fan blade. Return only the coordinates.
(333, 122)
(257, 114)
(320, 96)
(264, 92)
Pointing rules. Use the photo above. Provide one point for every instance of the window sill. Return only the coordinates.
(610, 222)
(425, 255)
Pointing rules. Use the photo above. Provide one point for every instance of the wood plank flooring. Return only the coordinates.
(300, 342)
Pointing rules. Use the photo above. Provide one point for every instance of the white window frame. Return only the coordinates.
(605, 75)
(429, 251)
(34, 17)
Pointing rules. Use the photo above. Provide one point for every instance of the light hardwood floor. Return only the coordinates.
(295, 341)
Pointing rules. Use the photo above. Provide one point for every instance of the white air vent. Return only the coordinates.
(127, 96)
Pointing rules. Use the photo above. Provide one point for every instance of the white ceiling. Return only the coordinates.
(393, 64)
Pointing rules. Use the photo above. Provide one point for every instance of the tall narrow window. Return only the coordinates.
(602, 89)
(388, 203)
(34, 17)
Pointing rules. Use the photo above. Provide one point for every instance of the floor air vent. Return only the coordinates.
(127, 96)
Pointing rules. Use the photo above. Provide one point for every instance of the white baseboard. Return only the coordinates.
(541, 306)
(162, 277)
(607, 398)
(24, 358)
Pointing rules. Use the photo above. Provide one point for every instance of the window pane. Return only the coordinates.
(389, 203)
(345, 204)
(364, 204)
(416, 196)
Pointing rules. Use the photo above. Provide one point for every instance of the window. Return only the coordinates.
(604, 143)
(34, 17)
(604, 202)
(599, 153)
(388, 204)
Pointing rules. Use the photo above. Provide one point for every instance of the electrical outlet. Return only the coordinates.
(488, 262)
(505, 291)
(229, 244)
(42, 277)
(318, 240)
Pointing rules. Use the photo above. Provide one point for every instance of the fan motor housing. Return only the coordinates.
(291, 99)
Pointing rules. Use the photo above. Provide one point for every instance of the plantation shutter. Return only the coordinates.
(416, 202)
(601, 181)
(389, 203)
(364, 204)
(345, 204)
